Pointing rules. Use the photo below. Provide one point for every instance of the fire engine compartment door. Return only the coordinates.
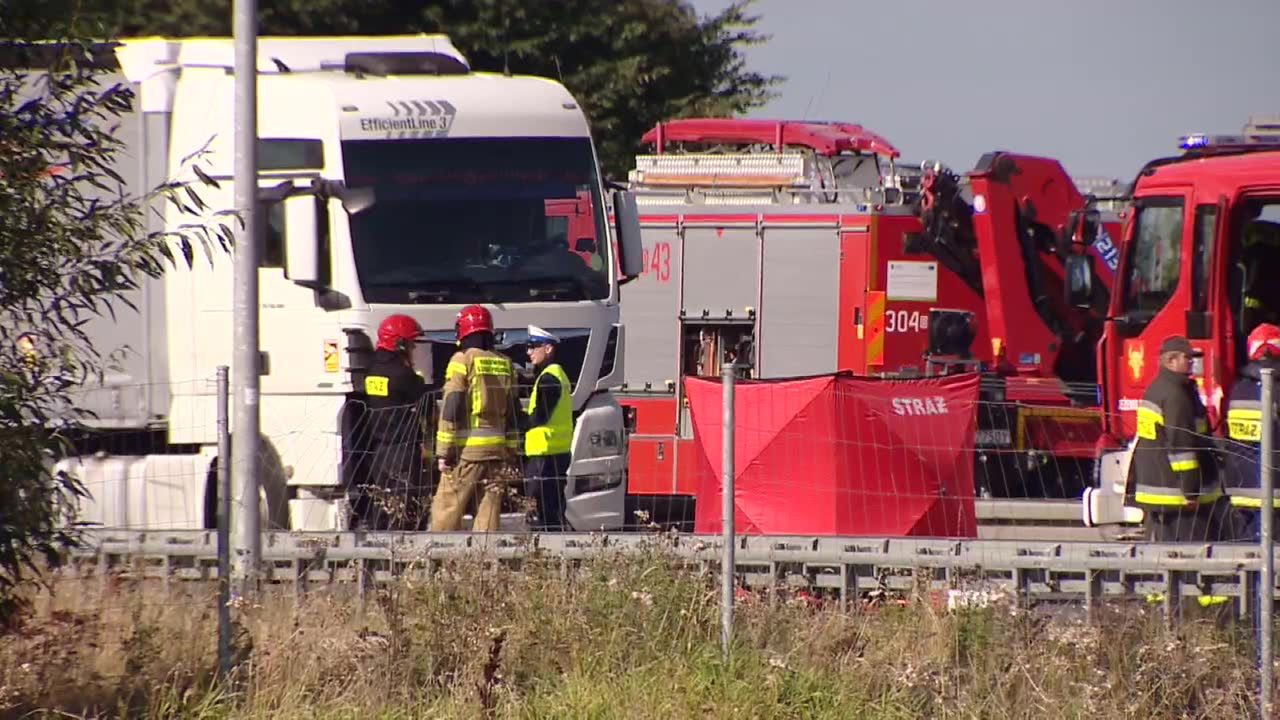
(799, 323)
(649, 311)
(721, 264)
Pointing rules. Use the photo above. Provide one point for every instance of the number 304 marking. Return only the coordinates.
(905, 321)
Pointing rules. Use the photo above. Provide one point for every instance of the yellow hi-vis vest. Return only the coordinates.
(553, 438)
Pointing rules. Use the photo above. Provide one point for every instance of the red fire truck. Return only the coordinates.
(1199, 258)
(805, 248)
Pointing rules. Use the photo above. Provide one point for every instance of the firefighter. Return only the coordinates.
(1175, 471)
(548, 432)
(1244, 430)
(1261, 251)
(394, 396)
(477, 437)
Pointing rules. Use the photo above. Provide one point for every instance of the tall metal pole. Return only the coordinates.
(1266, 652)
(727, 510)
(246, 359)
(224, 525)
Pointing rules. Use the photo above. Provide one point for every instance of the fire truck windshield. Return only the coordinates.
(478, 220)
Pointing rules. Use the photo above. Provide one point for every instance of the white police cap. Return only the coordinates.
(538, 335)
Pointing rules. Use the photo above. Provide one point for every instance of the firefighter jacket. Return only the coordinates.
(1243, 481)
(481, 402)
(1173, 460)
(394, 396)
(550, 414)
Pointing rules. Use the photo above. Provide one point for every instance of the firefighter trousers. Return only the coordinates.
(454, 492)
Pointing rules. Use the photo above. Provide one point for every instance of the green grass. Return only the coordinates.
(633, 637)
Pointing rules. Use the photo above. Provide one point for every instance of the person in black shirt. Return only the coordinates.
(395, 396)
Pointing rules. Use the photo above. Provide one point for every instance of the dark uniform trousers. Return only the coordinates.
(544, 479)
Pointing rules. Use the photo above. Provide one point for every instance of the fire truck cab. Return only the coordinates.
(1204, 230)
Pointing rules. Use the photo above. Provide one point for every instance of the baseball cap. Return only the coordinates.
(1178, 343)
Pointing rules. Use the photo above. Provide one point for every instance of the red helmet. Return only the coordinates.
(1264, 341)
(397, 332)
(472, 319)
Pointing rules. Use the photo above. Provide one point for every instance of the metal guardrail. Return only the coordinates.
(1043, 520)
(847, 566)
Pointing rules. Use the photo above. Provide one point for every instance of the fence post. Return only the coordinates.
(727, 381)
(1268, 583)
(224, 525)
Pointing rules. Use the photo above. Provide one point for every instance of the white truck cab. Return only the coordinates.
(393, 179)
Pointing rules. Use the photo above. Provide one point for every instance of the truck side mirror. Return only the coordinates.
(1089, 227)
(1081, 228)
(626, 220)
(306, 224)
(1079, 285)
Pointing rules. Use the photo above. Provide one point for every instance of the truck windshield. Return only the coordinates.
(1155, 261)
(478, 220)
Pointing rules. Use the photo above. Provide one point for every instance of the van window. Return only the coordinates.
(1155, 262)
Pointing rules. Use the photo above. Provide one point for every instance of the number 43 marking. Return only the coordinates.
(657, 261)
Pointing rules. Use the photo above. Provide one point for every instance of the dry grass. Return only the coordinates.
(633, 638)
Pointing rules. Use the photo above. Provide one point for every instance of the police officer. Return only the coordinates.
(394, 396)
(1244, 430)
(548, 432)
(1175, 470)
(477, 437)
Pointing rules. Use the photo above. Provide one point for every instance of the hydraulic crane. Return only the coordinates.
(1010, 243)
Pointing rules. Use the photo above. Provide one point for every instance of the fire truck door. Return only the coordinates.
(861, 315)
(1154, 300)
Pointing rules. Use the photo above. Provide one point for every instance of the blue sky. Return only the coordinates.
(1102, 86)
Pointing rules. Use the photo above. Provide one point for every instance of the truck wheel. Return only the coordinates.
(274, 515)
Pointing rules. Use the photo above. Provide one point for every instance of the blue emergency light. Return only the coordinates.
(1196, 141)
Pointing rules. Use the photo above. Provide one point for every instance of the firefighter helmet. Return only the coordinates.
(472, 319)
(396, 332)
(1264, 341)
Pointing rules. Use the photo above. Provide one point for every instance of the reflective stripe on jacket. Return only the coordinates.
(481, 384)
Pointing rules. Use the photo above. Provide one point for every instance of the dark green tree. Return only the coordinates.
(630, 63)
(73, 247)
